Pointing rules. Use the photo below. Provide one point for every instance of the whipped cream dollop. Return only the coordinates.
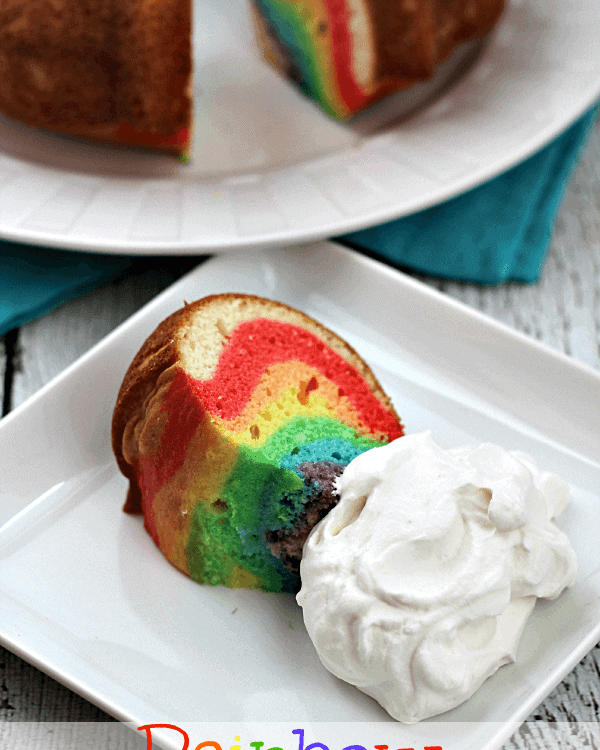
(416, 587)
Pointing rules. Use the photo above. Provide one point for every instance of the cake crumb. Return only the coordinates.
(305, 389)
(221, 329)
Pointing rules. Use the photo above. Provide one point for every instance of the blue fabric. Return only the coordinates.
(497, 232)
(35, 280)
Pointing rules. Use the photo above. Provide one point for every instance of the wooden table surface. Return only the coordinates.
(562, 310)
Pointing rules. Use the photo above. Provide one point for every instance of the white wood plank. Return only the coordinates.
(555, 736)
(71, 736)
(2, 371)
(26, 694)
(577, 698)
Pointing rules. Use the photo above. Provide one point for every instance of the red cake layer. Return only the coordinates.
(341, 50)
(270, 341)
(183, 416)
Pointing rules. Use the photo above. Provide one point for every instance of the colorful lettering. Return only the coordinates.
(149, 727)
(312, 746)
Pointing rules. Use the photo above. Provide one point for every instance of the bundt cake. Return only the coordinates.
(120, 73)
(99, 69)
(232, 423)
(347, 54)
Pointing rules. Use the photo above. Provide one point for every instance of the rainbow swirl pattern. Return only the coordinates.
(316, 36)
(232, 460)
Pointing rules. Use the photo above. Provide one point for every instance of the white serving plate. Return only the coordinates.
(269, 168)
(87, 597)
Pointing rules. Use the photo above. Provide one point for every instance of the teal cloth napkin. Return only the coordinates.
(496, 232)
(35, 280)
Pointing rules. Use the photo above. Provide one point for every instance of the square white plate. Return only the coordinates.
(86, 596)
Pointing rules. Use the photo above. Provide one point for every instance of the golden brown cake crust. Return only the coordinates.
(412, 37)
(158, 353)
(87, 67)
(159, 359)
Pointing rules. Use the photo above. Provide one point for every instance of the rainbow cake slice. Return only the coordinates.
(347, 54)
(232, 423)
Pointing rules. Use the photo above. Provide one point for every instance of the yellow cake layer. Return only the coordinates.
(274, 403)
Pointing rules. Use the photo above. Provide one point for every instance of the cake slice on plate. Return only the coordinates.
(232, 423)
